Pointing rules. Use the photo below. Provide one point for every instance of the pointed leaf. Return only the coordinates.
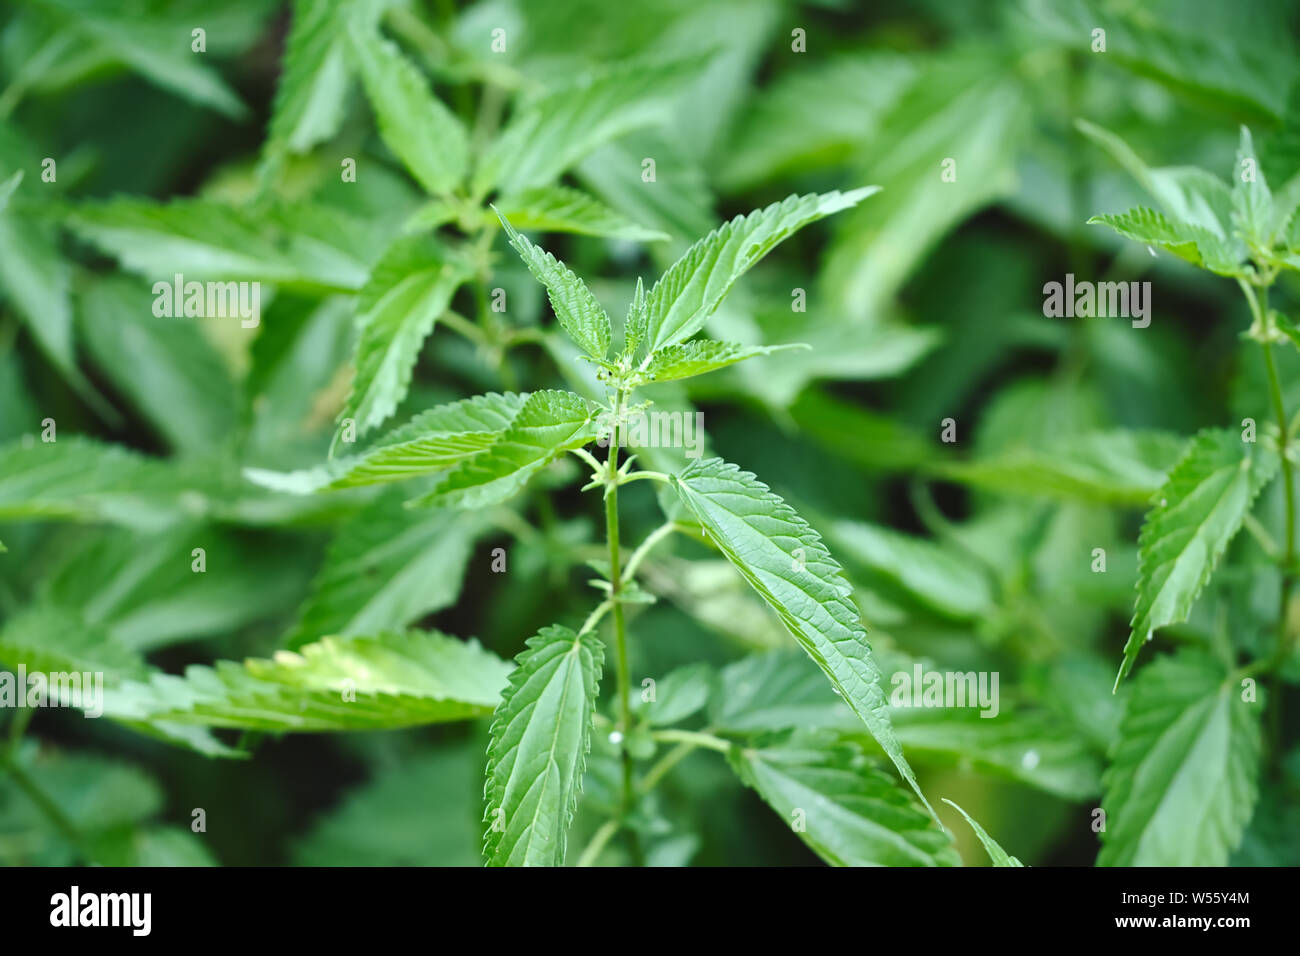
(308, 246)
(999, 856)
(548, 424)
(309, 98)
(1252, 202)
(785, 561)
(846, 810)
(434, 440)
(409, 289)
(1198, 510)
(1187, 194)
(425, 135)
(1194, 244)
(688, 359)
(387, 568)
(77, 479)
(359, 683)
(157, 49)
(550, 134)
(1184, 774)
(1119, 467)
(561, 209)
(696, 283)
(575, 307)
(541, 733)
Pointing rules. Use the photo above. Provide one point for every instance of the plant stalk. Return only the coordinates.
(623, 675)
(1259, 308)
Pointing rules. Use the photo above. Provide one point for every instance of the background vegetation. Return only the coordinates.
(923, 303)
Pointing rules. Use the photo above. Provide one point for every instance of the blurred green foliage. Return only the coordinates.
(923, 304)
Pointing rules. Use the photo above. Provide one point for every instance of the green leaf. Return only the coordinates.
(309, 98)
(541, 733)
(778, 135)
(561, 209)
(358, 683)
(157, 49)
(680, 694)
(35, 280)
(53, 640)
(420, 811)
(784, 560)
(1286, 327)
(695, 284)
(101, 798)
(1115, 467)
(548, 135)
(688, 359)
(575, 307)
(142, 590)
(776, 690)
(78, 479)
(783, 690)
(940, 579)
(549, 423)
(56, 640)
(1020, 744)
(1184, 774)
(1194, 244)
(385, 569)
(1187, 194)
(310, 247)
(1252, 202)
(425, 135)
(164, 365)
(999, 856)
(409, 289)
(1198, 510)
(637, 324)
(963, 106)
(434, 440)
(846, 810)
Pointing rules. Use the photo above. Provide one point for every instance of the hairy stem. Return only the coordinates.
(644, 547)
(687, 743)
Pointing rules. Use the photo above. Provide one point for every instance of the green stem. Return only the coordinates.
(688, 742)
(696, 738)
(1263, 322)
(594, 617)
(598, 841)
(653, 538)
(623, 674)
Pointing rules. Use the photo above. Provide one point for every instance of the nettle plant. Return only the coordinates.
(1185, 771)
(483, 450)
